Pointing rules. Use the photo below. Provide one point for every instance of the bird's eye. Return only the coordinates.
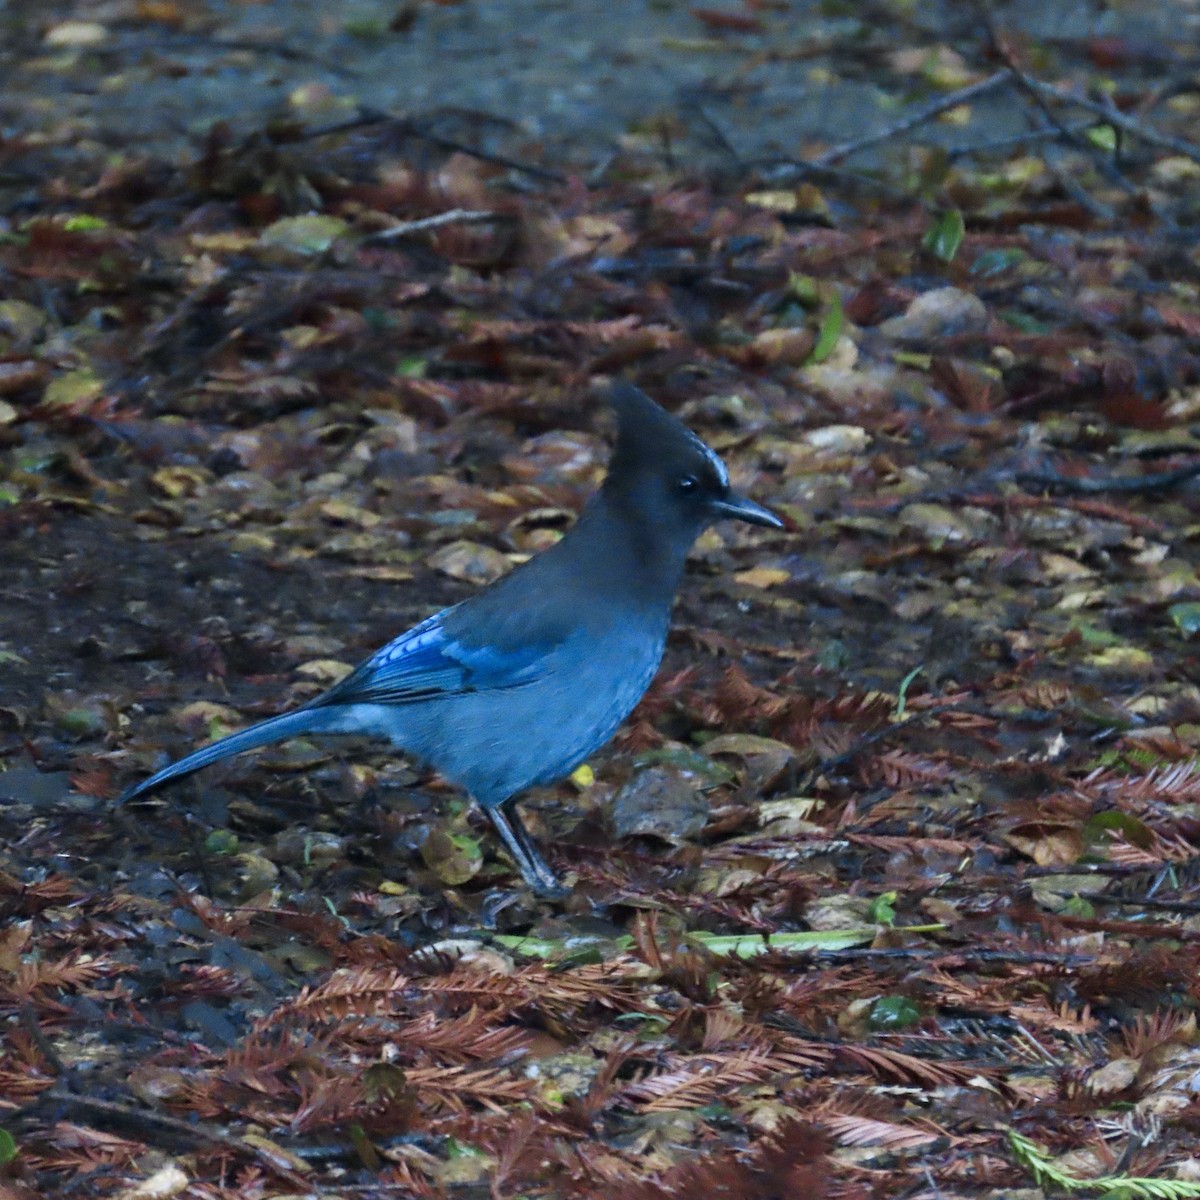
(688, 484)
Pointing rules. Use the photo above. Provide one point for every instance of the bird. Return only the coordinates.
(515, 686)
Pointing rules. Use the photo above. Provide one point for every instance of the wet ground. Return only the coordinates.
(257, 478)
(561, 81)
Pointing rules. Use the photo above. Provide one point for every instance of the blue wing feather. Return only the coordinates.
(427, 661)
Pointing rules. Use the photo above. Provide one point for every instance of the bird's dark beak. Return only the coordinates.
(738, 508)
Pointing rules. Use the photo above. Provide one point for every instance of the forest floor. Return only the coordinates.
(888, 888)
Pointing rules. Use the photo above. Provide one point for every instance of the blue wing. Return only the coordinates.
(427, 661)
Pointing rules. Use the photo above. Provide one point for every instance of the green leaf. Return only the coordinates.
(566, 952)
(1134, 831)
(890, 1013)
(80, 722)
(1130, 1187)
(84, 224)
(1096, 635)
(454, 858)
(649, 1024)
(308, 235)
(8, 1148)
(457, 1149)
(383, 1081)
(368, 1156)
(945, 235)
(1186, 617)
(412, 368)
(221, 841)
(829, 331)
(1103, 137)
(692, 762)
(882, 910)
(734, 945)
(74, 388)
(905, 683)
(747, 945)
(805, 289)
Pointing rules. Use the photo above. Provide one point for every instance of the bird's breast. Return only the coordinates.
(497, 743)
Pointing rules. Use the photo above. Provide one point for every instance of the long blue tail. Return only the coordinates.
(274, 729)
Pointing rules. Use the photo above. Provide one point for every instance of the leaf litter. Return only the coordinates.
(890, 880)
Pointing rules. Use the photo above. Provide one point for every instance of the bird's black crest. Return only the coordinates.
(647, 433)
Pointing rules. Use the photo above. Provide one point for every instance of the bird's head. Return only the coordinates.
(667, 476)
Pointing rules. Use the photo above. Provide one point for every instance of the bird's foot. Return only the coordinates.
(550, 889)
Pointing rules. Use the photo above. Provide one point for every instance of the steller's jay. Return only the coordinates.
(519, 683)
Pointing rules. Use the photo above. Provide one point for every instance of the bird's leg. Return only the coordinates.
(551, 885)
(534, 869)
